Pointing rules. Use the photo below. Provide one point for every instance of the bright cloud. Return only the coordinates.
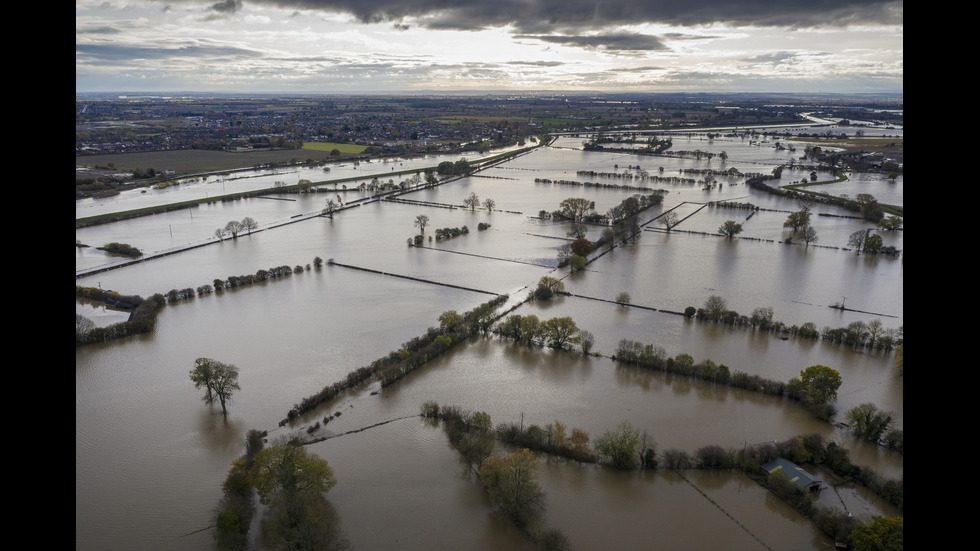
(347, 46)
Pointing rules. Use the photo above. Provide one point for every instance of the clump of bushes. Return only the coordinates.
(547, 288)
(550, 439)
(174, 295)
(449, 233)
(123, 249)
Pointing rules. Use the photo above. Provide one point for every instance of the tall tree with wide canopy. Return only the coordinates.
(560, 331)
(575, 208)
(512, 484)
(730, 229)
(219, 380)
(292, 483)
(819, 384)
(868, 422)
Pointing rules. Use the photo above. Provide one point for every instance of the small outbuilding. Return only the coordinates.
(796, 474)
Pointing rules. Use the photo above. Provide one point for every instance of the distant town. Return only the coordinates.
(398, 125)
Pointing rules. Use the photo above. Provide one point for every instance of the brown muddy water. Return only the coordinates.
(150, 456)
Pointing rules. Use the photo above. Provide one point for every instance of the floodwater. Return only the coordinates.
(150, 456)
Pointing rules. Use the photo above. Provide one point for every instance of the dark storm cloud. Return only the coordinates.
(536, 63)
(109, 52)
(624, 41)
(775, 57)
(641, 70)
(100, 30)
(538, 16)
(227, 6)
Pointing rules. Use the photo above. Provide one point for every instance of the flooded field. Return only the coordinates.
(151, 457)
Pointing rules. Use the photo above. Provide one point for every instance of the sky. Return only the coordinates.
(444, 46)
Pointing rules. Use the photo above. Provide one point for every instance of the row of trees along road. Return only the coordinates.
(235, 227)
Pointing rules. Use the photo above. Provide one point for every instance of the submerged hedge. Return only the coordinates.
(142, 319)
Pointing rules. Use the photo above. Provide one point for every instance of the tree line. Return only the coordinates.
(454, 328)
(141, 320)
(629, 448)
(244, 280)
(864, 204)
(510, 480)
(234, 227)
(816, 388)
(857, 334)
(145, 311)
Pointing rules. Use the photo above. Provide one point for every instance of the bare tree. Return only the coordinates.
(575, 208)
(233, 227)
(331, 206)
(857, 239)
(248, 223)
(809, 235)
(83, 325)
(421, 221)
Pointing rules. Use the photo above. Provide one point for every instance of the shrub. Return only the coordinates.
(582, 247)
(895, 439)
(553, 540)
(709, 457)
(676, 459)
(543, 293)
(121, 249)
(443, 341)
(430, 409)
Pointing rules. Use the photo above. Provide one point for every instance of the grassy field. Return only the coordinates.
(893, 148)
(194, 161)
(344, 148)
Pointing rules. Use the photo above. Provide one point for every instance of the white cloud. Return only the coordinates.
(304, 46)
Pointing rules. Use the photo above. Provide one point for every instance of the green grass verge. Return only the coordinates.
(344, 148)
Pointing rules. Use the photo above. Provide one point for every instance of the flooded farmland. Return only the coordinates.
(151, 457)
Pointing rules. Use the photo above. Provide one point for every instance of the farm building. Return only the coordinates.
(796, 474)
